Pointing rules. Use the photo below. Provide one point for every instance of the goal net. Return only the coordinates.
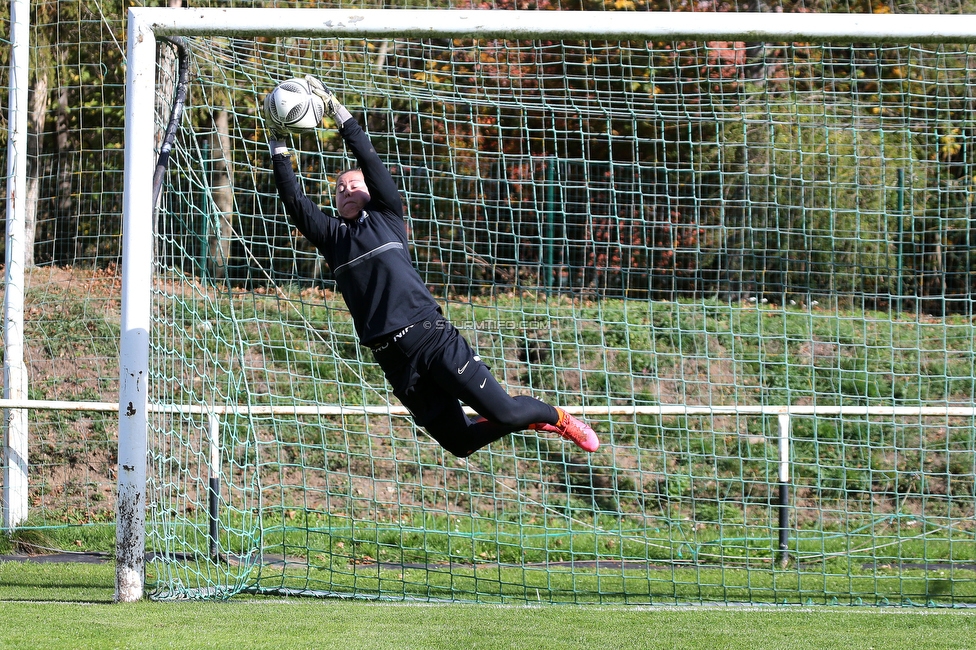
(670, 236)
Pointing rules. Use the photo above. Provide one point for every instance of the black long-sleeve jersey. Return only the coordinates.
(370, 256)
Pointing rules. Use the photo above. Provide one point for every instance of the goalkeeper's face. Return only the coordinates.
(352, 195)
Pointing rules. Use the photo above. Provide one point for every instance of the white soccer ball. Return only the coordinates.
(293, 107)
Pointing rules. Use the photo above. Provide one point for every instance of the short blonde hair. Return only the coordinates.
(347, 171)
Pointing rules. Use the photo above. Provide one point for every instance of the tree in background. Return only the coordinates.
(697, 210)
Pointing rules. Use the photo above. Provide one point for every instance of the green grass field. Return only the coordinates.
(70, 606)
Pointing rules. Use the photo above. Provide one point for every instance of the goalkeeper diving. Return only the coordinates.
(431, 367)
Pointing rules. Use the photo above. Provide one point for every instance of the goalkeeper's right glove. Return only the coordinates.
(276, 139)
(333, 108)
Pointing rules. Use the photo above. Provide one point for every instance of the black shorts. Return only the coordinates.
(428, 364)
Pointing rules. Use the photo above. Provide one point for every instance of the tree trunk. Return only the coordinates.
(223, 194)
(66, 226)
(38, 115)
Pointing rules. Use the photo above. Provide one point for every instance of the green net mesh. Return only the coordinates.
(618, 228)
(615, 227)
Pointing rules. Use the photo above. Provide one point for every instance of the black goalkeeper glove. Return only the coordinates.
(333, 108)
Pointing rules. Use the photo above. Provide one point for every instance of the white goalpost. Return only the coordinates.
(14, 502)
(146, 25)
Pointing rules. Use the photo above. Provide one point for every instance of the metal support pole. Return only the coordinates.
(14, 454)
(549, 166)
(213, 493)
(137, 258)
(784, 488)
(900, 210)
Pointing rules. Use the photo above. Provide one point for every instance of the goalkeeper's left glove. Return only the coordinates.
(333, 108)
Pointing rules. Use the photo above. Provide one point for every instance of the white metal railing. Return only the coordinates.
(783, 413)
(379, 409)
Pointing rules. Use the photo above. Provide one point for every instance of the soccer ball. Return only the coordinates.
(293, 107)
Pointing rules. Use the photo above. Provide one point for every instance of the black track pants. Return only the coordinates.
(433, 370)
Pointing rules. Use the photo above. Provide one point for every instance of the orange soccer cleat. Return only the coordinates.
(572, 429)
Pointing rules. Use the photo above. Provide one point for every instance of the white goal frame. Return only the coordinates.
(145, 24)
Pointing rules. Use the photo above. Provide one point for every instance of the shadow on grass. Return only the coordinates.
(45, 578)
